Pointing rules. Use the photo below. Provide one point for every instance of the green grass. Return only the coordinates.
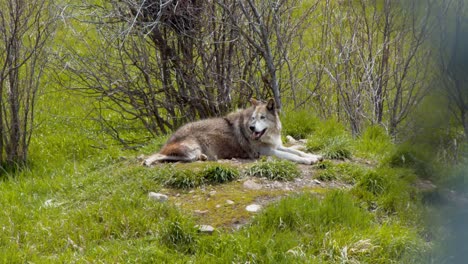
(373, 143)
(304, 229)
(281, 170)
(85, 199)
(344, 171)
(331, 140)
(298, 124)
(191, 175)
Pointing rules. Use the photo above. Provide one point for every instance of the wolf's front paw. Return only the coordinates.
(314, 159)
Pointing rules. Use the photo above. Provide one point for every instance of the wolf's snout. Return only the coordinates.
(252, 128)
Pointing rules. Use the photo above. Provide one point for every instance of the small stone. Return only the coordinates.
(158, 196)
(317, 181)
(251, 185)
(253, 208)
(277, 185)
(218, 206)
(229, 202)
(212, 193)
(201, 212)
(207, 229)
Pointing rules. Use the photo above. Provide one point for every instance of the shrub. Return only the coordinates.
(282, 170)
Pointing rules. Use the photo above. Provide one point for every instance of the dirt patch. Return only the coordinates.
(224, 205)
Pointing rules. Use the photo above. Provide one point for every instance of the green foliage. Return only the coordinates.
(298, 124)
(374, 183)
(182, 178)
(193, 175)
(306, 213)
(220, 174)
(305, 229)
(345, 171)
(282, 170)
(388, 190)
(331, 140)
(374, 142)
(406, 156)
(180, 233)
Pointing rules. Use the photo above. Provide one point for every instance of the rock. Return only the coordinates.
(158, 196)
(207, 229)
(218, 206)
(317, 182)
(212, 193)
(229, 202)
(276, 185)
(253, 208)
(201, 212)
(251, 185)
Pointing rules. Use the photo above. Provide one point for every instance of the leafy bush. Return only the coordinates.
(282, 170)
(299, 124)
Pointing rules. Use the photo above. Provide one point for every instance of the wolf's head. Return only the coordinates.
(264, 119)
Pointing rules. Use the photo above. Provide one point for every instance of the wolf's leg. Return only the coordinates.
(287, 156)
(313, 157)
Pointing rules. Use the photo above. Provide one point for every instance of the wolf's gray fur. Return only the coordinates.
(246, 133)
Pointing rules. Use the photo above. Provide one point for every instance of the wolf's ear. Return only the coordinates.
(271, 105)
(254, 102)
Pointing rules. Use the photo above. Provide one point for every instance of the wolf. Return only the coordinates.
(245, 134)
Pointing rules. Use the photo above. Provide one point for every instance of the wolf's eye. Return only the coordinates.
(262, 117)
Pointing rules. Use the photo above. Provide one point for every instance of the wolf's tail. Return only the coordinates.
(176, 152)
